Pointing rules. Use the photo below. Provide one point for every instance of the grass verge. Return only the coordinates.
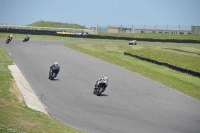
(184, 83)
(184, 57)
(15, 116)
(154, 35)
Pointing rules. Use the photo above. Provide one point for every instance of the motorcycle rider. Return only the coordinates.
(27, 38)
(56, 65)
(10, 37)
(104, 79)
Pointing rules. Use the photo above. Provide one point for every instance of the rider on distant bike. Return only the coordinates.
(55, 65)
(10, 37)
(27, 37)
(104, 79)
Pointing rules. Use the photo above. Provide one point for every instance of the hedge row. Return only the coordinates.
(45, 32)
(190, 72)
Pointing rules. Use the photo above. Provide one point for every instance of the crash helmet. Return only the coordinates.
(105, 78)
(56, 64)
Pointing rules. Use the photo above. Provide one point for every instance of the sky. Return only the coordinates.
(90, 13)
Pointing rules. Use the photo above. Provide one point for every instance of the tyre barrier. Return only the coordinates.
(183, 70)
(54, 33)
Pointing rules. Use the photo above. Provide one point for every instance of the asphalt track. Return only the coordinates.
(131, 103)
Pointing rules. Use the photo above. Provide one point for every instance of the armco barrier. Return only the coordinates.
(92, 36)
(33, 32)
(190, 72)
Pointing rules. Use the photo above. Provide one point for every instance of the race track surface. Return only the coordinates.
(130, 104)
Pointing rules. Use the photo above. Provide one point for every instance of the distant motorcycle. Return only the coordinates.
(25, 39)
(100, 87)
(8, 40)
(53, 73)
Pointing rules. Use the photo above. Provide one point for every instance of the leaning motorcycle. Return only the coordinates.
(25, 39)
(53, 73)
(8, 40)
(100, 88)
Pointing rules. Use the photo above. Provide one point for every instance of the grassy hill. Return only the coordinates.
(56, 25)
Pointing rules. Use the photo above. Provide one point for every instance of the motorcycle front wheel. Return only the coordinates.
(99, 91)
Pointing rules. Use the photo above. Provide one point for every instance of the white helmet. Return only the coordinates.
(105, 78)
(56, 63)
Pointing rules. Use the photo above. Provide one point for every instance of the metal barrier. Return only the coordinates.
(177, 68)
(46, 28)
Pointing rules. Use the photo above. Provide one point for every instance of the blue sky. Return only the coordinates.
(102, 12)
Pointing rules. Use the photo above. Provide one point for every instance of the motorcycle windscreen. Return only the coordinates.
(102, 85)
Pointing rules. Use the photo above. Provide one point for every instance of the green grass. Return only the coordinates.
(185, 57)
(15, 116)
(184, 83)
(56, 25)
(154, 35)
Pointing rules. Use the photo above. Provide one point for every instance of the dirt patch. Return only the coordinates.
(14, 90)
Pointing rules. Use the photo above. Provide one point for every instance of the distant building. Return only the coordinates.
(118, 30)
(195, 30)
(162, 31)
(94, 29)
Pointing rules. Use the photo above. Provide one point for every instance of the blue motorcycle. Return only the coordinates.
(53, 73)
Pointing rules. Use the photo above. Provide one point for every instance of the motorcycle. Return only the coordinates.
(100, 87)
(25, 39)
(8, 40)
(53, 73)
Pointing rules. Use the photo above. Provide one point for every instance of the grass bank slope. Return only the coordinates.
(182, 56)
(56, 25)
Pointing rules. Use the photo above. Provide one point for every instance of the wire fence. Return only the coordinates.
(171, 29)
(132, 28)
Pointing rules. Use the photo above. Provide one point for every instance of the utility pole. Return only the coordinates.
(132, 28)
(97, 29)
(121, 28)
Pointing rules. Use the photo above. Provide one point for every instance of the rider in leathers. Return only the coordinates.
(56, 65)
(104, 79)
(10, 37)
(27, 37)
